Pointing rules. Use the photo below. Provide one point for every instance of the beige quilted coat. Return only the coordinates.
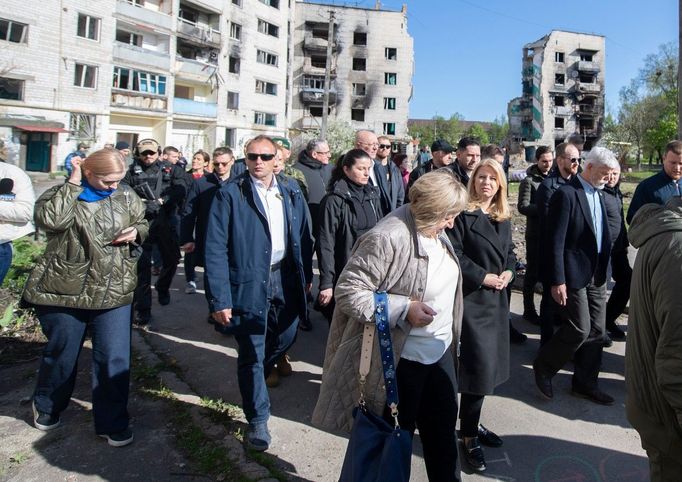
(389, 257)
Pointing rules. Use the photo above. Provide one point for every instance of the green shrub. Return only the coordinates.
(26, 252)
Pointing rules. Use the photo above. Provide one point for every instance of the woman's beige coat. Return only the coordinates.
(390, 258)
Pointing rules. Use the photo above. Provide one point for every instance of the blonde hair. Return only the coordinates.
(104, 162)
(499, 207)
(435, 196)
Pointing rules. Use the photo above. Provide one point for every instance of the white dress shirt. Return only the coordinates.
(272, 202)
(373, 175)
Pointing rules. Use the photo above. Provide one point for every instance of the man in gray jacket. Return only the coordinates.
(653, 364)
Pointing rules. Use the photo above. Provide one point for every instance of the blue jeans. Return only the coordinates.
(5, 259)
(65, 331)
(259, 353)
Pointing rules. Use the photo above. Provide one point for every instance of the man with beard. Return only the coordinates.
(442, 156)
(395, 189)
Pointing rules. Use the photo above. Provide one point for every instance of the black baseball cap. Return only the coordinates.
(442, 145)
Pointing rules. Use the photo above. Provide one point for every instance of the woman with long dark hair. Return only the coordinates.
(351, 208)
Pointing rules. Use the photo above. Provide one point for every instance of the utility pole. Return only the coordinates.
(328, 75)
(679, 73)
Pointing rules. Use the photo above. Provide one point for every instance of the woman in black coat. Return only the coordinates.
(351, 208)
(482, 240)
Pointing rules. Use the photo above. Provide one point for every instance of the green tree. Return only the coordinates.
(477, 131)
(499, 131)
(340, 137)
(438, 128)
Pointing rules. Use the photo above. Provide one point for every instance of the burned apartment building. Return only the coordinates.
(563, 91)
(195, 74)
(371, 67)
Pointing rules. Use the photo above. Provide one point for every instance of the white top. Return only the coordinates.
(372, 174)
(16, 207)
(428, 344)
(272, 199)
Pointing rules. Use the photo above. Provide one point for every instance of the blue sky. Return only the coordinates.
(468, 52)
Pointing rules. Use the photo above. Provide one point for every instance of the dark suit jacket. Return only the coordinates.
(392, 189)
(573, 257)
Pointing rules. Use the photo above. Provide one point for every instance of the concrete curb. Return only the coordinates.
(184, 393)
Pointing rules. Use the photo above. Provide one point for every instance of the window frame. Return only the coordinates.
(388, 76)
(139, 78)
(268, 28)
(269, 3)
(395, 51)
(234, 95)
(388, 102)
(362, 60)
(266, 88)
(355, 111)
(558, 56)
(387, 130)
(265, 116)
(266, 56)
(21, 90)
(10, 25)
(357, 35)
(237, 63)
(88, 19)
(79, 82)
(356, 85)
(238, 27)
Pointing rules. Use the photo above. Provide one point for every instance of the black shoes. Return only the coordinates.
(44, 421)
(473, 453)
(164, 298)
(515, 336)
(305, 325)
(543, 382)
(594, 395)
(119, 439)
(488, 438)
(142, 318)
(615, 331)
(531, 317)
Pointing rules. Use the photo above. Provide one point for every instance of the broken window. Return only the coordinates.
(559, 100)
(271, 3)
(129, 38)
(139, 81)
(263, 57)
(359, 64)
(587, 78)
(230, 137)
(559, 57)
(82, 126)
(237, 3)
(559, 122)
(559, 79)
(235, 31)
(233, 66)
(12, 31)
(316, 111)
(391, 53)
(390, 78)
(268, 28)
(313, 82)
(11, 89)
(318, 61)
(264, 118)
(586, 124)
(233, 100)
(188, 15)
(357, 115)
(389, 103)
(85, 76)
(88, 27)
(389, 128)
(586, 56)
(137, 3)
(321, 32)
(263, 87)
(359, 38)
(359, 89)
(184, 92)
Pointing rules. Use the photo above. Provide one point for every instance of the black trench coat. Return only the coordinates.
(483, 246)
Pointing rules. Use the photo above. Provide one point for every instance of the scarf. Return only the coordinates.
(90, 194)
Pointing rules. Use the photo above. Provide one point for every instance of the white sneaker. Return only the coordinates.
(191, 288)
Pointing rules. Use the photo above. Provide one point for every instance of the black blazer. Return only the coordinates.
(573, 257)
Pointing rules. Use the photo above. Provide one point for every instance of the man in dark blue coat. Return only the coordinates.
(659, 188)
(258, 269)
(579, 248)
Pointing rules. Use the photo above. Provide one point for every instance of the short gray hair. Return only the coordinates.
(601, 156)
(314, 144)
(435, 196)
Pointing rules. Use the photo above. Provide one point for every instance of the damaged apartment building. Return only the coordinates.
(563, 91)
(371, 67)
(195, 74)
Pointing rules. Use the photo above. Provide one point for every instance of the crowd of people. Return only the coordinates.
(437, 237)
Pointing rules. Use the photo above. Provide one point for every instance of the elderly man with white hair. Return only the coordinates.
(579, 247)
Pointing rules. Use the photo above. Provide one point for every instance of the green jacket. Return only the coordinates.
(653, 358)
(81, 268)
(527, 204)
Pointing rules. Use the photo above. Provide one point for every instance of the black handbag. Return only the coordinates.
(376, 450)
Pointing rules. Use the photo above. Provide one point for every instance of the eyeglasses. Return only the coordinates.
(252, 156)
(147, 153)
(575, 160)
(384, 146)
(220, 164)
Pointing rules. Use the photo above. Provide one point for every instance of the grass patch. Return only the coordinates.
(268, 461)
(638, 176)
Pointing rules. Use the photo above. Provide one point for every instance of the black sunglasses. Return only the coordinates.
(384, 146)
(148, 153)
(575, 160)
(252, 156)
(220, 163)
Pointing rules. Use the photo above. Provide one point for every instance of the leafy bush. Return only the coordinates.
(27, 251)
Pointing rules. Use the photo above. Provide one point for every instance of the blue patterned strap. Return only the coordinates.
(386, 349)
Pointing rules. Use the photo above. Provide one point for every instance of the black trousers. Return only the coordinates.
(548, 313)
(581, 336)
(428, 401)
(165, 237)
(621, 272)
(532, 275)
(470, 414)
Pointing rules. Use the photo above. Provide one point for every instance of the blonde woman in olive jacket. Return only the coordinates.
(408, 256)
(85, 281)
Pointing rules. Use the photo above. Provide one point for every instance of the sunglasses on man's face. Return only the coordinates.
(384, 146)
(220, 164)
(252, 156)
(148, 153)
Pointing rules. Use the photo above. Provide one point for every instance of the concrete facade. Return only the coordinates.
(372, 64)
(190, 73)
(563, 90)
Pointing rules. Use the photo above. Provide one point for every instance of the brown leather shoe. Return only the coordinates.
(273, 379)
(284, 366)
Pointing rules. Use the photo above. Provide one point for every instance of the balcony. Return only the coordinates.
(194, 108)
(589, 88)
(215, 5)
(138, 55)
(316, 45)
(310, 70)
(316, 96)
(310, 122)
(203, 35)
(589, 109)
(138, 101)
(143, 15)
(563, 110)
(193, 69)
(585, 66)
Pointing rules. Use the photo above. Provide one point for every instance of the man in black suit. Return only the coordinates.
(579, 248)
